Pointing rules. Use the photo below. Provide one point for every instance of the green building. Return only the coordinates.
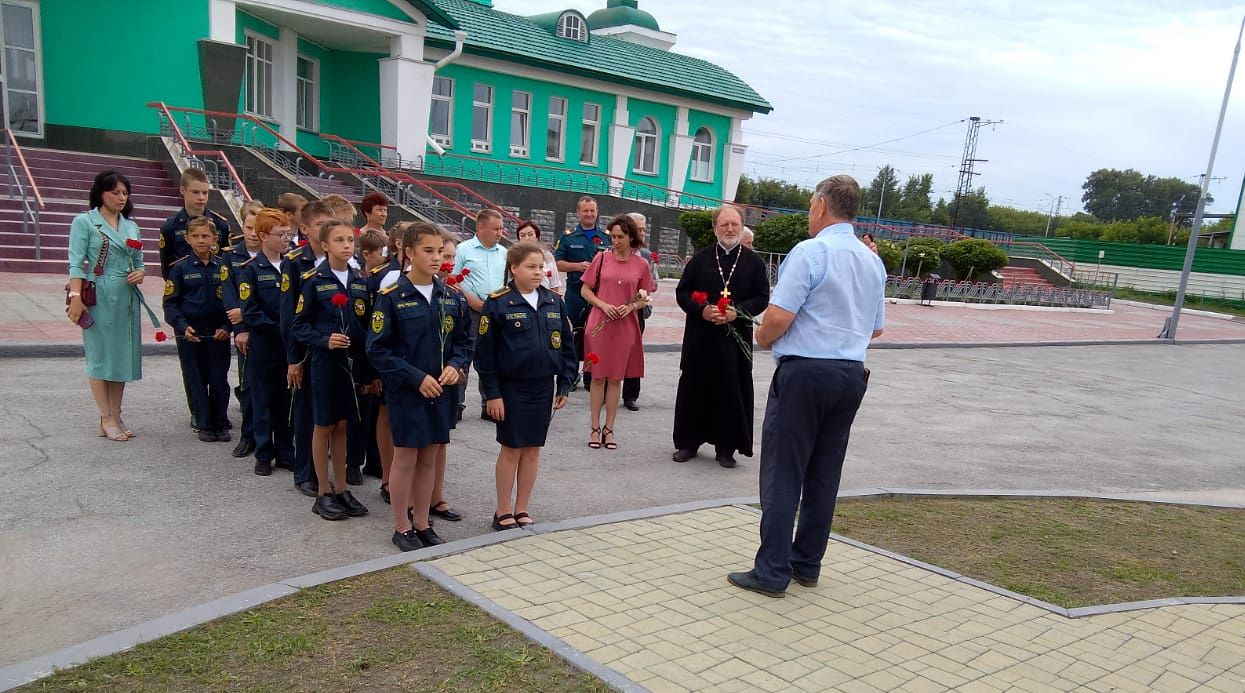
(445, 82)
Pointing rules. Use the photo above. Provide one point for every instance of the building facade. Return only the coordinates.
(454, 85)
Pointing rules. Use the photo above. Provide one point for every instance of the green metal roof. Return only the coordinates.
(622, 13)
(517, 39)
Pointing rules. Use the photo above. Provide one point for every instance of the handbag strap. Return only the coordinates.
(103, 250)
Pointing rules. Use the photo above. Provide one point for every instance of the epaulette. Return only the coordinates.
(178, 260)
(217, 215)
(566, 232)
(380, 268)
(235, 237)
(310, 273)
(500, 292)
(246, 262)
(389, 289)
(294, 254)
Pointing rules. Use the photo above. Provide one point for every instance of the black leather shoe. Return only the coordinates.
(207, 436)
(630, 404)
(683, 455)
(384, 492)
(284, 464)
(407, 541)
(353, 507)
(328, 508)
(244, 448)
(461, 409)
(223, 436)
(354, 476)
(726, 460)
(804, 581)
(308, 488)
(749, 582)
(263, 468)
(429, 537)
(448, 513)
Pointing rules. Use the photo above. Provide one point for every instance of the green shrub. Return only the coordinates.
(923, 257)
(891, 254)
(972, 258)
(699, 228)
(780, 234)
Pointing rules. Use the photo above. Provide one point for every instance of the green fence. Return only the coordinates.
(1160, 257)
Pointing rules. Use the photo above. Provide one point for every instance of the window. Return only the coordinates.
(571, 26)
(308, 96)
(702, 156)
(482, 118)
(520, 122)
(442, 106)
(588, 139)
(555, 135)
(259, 76)
(644, 153)
(20, 68)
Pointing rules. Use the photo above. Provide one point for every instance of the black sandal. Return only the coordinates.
(595, 444)
(449, 513)
(524, 516)
(607, 431)
(497, 519)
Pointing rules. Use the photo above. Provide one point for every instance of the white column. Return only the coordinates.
(621, 137)
(406, 96)
(734, 150)
(1238, 228)
(680, 154)
(285, 85)
(223, 21)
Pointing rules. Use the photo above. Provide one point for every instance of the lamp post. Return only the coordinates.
(1049, 216)
(1169, 330)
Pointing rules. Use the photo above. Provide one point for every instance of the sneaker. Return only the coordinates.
(407, 541)
(353, 507)
(328, 508)
(263, 468)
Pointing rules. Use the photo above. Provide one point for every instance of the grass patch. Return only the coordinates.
(1216, 304)
(387, 631)
(1069, 552)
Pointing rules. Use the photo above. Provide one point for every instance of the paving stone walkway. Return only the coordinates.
(649, 599)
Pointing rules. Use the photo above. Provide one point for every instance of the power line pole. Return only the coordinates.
(965, 185)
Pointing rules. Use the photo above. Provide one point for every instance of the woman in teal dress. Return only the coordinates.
(113, 342)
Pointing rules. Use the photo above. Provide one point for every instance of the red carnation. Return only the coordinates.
(302, 242)
(134, 243)
(656, 258)
(549, 273)
(161, 336)
(446, 267)
(597, 240)
(341, 300)
(465, 272)
(592, 358)
(723, 304)
(700, 297)
(451, 281)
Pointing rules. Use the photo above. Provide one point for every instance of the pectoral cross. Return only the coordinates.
(726, 292)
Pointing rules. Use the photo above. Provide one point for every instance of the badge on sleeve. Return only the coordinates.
(555, 339)
(224, 273)
(301, 303)
(378, 321)
(220, 292)
(168, 287)
(244, 290)
(447, 324)
(285, 282)
(483, 325)
(161, 240)
(360, 307)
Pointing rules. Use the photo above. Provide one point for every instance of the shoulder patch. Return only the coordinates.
(309, 274)
(293, 254)
(566, 232)
(500, 292)
(247, 261)
(389, 289)
(379, 269)
(180, 259)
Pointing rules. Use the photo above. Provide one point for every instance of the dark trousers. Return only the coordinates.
(205, 365)
(462, 386)
(243, 394)
(303, 426)
(812, 403)
(270, 400)
(631, 386)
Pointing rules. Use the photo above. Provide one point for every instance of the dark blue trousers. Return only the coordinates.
(205, 365)
(303, 425)
(270, 399)
(243, 393)
(812, 403)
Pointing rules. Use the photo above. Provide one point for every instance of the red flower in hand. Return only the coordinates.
(723, 304)
(465, 272)
(597, 240)
(656, 258)
(592, 358)
(302, 242)
(134, 243)
(161, 336)
(341, 300)
(700, 297)
(446, 267)
(451, 281)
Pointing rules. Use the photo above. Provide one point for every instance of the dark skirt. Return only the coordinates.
(417, 421)
(332, 388)
(529, 409)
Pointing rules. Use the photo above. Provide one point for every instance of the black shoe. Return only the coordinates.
(354, 476)
(244, 448)
(630, 404)
(222, 436)
(804, 581)
(683, 455)
(228, 425)
(308, 488)
(429, 536)
(384, 492)
(353, 507)
(263, 468)
(498, 526)
(206, 436)
(726, 460)
(449, 513)
(284, 464)
(407, 541)
(749, 582)
(328, 508)
(461, 409)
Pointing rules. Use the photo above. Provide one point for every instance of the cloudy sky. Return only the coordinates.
(1078, 85)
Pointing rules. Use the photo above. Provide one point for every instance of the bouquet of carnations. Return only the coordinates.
(701, 298)
(638, 303)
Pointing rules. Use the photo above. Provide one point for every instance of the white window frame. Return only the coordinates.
(39, 92)
(707, 147)
(576, 30)
(520, 146)
(596, 135)
(486, 145)
(560, 119)
(253, 62)
(443, 139)
(311, 118)
(643, 140)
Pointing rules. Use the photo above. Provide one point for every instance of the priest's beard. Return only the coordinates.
(728, 244)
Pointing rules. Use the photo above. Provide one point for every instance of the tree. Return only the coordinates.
(973, 210)
(884, 188)
(779, 234)
(1114, 195)
(1017, 221)
(772, 193)
(699, 228)
(972, 258)
(914, 204)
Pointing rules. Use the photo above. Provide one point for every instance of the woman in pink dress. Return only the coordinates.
(611, 285)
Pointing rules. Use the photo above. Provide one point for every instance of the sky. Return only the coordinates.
(1078, 86)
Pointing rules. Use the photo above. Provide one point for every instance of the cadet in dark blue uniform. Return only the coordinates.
(194, 308)
(259, 293)
(329, 319)
(420, 345)
(297, 262)
(574, 251)
(379, 278)
(195, 190)
(239, 254)
(526, 363)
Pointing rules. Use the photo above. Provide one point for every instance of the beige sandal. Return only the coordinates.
(112, 433)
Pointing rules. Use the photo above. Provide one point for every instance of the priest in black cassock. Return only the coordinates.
(714, 401)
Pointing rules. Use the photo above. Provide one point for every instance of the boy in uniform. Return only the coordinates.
(231, 261)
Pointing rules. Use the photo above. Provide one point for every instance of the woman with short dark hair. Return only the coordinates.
(105, 253)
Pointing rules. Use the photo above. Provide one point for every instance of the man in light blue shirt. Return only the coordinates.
(824, 310)
(486, 258)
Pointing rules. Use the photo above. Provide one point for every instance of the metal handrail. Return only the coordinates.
(186, 149)
(30, 214)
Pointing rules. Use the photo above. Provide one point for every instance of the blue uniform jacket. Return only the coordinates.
(410, 338)
(173, 245)
(193, 296)
(377, 274)
(518, 341)
(297, 262)
(259, 293)
(316, 317)
(576, 246)
(230, 264)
